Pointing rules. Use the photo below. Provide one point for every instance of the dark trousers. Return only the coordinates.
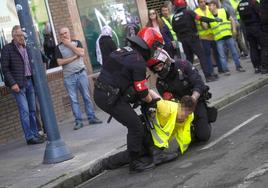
(202, 128)
(192, 45)
(137, 137)
(210, 46)
(254, 41)
(264, 51)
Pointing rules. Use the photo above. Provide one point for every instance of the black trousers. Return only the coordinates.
(264, 51)
(254, 41)
(137, 137)
(202, 128)
(192, 45)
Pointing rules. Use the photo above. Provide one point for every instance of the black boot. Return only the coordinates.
(138, 165)
(160, 156)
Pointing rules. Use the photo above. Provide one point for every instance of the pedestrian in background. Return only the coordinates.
(49, 46)
(105, 44)
(157, 23)
(231, 7)
(69, 54)
(167, 19)
(223, 36)
(207, 38)
(17, 72)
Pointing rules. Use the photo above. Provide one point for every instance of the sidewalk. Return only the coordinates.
(21, 165)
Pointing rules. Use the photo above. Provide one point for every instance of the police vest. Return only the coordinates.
(247, 13)
(201, 31)
(234, 4)
(183, 24)
(166, 128)
(221, 29)
(170, 27)
(177, 82)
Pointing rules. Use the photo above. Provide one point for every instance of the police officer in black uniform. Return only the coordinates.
(179, 78)
(122, 81)
(183, 23)
(249, 11)
(264, 22)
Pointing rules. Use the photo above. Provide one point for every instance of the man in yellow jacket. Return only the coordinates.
(223, 36)
(170, 120)
(207, 38)
(173, 120)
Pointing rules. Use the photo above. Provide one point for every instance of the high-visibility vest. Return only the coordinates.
(201, 31)
(166, 128)
(234, 4)
(170, 27)
(221, 29)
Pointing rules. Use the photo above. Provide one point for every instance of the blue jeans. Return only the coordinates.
(207, 45)
(25, 99)
(231, 45)
(73, 83)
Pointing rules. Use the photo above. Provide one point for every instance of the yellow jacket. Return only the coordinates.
(166, 127)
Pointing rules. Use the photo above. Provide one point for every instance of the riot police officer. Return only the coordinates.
(183, 24)
(249, 12)
(122, 81)
(179, 78)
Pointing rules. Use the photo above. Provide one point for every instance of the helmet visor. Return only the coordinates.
(159, 55)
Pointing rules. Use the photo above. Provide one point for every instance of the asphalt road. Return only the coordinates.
(236, 155)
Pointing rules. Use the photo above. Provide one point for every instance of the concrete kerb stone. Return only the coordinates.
(89, 170)
(231, 97)
(82, 174)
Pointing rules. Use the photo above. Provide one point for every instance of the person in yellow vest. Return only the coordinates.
(207, 38)
(167, 19)
(223, 36)
(231, 7)
(173, 120)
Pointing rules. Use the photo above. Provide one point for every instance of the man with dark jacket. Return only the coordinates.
(18, 76)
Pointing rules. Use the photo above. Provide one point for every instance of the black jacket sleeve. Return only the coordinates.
(5, 64)
(194, 77)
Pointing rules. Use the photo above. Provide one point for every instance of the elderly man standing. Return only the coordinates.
(69, 54)
(18, 76)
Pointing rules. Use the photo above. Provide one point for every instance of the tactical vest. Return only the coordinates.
(183, 24)
(221, 29)
(114, 71)
(170, 27)
(165, 126)
(247, 13)
(176, 83)
(201, 31)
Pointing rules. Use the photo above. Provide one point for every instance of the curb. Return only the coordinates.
(89, 170)
(231, 97)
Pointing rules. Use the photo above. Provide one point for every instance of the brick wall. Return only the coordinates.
(10, 127)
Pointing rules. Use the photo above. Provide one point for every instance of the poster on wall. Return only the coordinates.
(120, 15)
(8, 18)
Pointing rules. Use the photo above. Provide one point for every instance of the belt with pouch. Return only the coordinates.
(106, 87)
